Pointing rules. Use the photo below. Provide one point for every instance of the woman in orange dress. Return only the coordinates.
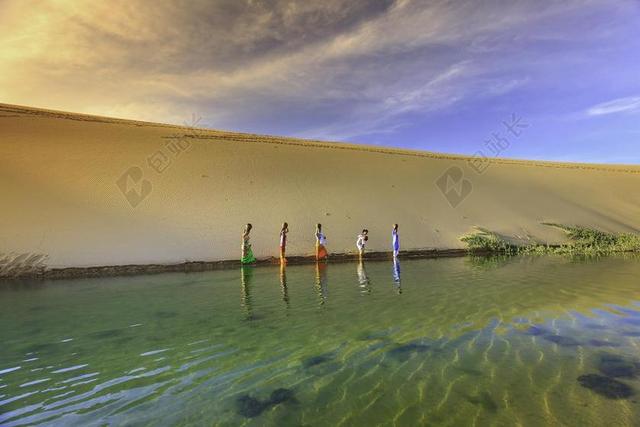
(283, 242)
(321, 241)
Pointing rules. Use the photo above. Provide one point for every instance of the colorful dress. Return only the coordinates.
(283, 239)
(247, 253)
(321, 241)
(395, 239)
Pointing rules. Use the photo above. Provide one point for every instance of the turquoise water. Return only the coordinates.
(464, 341)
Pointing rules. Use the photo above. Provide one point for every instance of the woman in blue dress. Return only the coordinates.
(395, 241)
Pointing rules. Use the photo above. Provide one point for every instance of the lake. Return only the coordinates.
(462, 341)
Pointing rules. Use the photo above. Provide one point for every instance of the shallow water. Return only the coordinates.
(528, 341)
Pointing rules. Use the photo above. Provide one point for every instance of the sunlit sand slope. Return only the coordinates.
(83, 191)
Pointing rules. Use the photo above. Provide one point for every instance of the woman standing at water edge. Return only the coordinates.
(395, 241)
(247, 253)
(361, 241)
(321, 241)
(283, 241)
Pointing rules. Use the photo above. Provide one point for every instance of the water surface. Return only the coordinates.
(513, 341)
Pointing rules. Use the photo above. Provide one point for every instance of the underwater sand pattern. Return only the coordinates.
(529, 341)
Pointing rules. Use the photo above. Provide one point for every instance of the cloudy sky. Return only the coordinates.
(434, 75)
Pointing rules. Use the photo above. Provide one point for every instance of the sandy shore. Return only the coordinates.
(82, 191)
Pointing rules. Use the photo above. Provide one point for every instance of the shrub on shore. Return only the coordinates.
(486, 241)
(582, 241)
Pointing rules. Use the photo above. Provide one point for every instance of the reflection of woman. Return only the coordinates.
(363, 278)
(321, 281)
(396, 275)
(245, 297)
(247, 253)
(283, 284)
(321, 241)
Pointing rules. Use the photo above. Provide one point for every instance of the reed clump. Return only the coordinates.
(581, 241)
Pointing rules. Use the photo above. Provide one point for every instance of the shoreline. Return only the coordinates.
(199, 266)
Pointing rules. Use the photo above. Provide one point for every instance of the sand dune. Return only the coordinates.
(64, 176)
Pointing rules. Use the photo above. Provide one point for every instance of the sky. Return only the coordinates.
(537, 79)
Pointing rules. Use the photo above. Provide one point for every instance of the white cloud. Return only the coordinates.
(629, 104)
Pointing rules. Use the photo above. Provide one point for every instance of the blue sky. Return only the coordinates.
(430, 75)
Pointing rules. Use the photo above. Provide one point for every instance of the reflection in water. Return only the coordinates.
(363, 279)
(486, 262)
(283, 283)
(533, 341)
(321, 282)
(396, 275)
(245, 281)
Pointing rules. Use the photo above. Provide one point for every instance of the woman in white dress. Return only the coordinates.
(361, 242)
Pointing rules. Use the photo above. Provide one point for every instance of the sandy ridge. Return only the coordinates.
(213, 134)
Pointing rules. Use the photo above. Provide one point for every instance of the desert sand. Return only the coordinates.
(63, 179)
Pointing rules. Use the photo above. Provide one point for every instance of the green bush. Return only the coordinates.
(484, 240)
(582, 241)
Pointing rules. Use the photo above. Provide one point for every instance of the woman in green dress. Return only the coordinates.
(247, 253)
